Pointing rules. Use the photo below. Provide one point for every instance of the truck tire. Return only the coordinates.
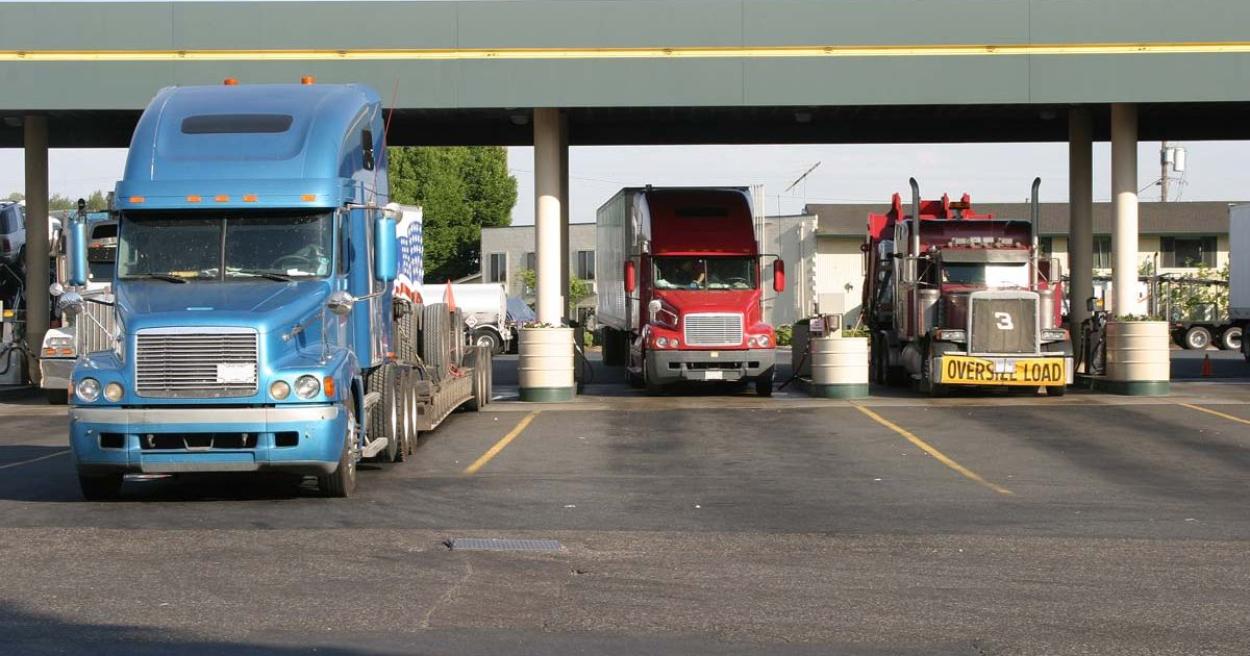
(56, 396)
(487, 338)
(342, 481)
(405, 345)
(1230, 339)
(764, 383)
(384, 415)
(480, 359)
(436, 340)
(1056, 390)
(458, 340)
(404, 430)
(1197, 338)
(100, 487)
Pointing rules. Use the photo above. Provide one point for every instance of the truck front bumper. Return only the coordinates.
(55, 373)
(1043, 370)
(712, 366)
(304, 439)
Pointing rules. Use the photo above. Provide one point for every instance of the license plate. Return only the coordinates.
(236, 372)
(714, 375)
(1033, 372)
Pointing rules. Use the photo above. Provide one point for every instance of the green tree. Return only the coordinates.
(461, 190)
(578, 291)
(16, 196)
(58, 202)
(97, 202)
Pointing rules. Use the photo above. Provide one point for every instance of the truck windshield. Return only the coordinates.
(711, 273)
(989, 275)
(200, 246)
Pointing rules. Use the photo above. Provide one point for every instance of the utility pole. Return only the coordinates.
(1163, 173)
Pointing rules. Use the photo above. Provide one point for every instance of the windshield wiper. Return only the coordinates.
(262, 274)
(167, 277)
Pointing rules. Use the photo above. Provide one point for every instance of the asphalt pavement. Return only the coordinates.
(696, 523)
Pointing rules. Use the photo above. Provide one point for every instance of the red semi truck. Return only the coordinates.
(679, 287)
(954, 297)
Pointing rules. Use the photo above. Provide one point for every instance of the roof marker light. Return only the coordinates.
(221, 198)
(230, 82)
(249, 198)
(193, 198)
(136, 199)
(308, 198)
(307, 79)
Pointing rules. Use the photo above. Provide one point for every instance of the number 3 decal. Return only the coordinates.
(1004, 321)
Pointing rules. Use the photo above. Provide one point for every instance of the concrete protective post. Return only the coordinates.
(1081, 220)
(1124, 208)
(545, 366)
(35, 141)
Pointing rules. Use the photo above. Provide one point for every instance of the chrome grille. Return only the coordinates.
(713, 329)
(181, 363)
(1002, 324)
(94, 327)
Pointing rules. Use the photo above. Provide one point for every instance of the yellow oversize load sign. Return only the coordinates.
(968, 370)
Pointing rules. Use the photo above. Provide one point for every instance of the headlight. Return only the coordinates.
(279, 389)
(307, 387)
(948, 335)
(113, 392)
(665, 342)
(1054, 334)
(759, 341)
(88, 389)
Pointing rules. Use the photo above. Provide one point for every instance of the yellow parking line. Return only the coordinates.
(929, 449)
(503, 442)
(1217, 413)
(27, 462)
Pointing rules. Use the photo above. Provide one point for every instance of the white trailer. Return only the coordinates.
(1239, 271)
(485, 310)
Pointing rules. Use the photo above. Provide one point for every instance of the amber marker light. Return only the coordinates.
(249, 198)
(327, 384)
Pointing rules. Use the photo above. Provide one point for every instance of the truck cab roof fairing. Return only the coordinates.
(682, 218)
(289, 132)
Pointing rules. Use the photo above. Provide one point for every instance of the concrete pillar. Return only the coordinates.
(547, 197)
(1081, 220)
(36, 145)
(1124, 208)
(569, 312)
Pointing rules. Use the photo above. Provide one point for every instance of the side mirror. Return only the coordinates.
(76, 252)
(631, 277)
(386, 250)
(779, 276)
(341, 303)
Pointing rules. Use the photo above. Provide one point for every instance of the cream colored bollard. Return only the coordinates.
(1139, 358)
(839, 367)
(546, 365)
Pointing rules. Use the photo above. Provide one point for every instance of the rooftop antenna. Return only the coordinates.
(802, 177)
(386, 129)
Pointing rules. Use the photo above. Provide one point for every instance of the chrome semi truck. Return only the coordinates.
(258, 323)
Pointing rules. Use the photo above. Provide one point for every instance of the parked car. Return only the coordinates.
(12, 232)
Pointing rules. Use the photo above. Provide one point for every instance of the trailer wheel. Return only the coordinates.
(458, 341)
(487, 338)
(1197, 338)
(479, 358)
(1056, 390)
(764, 383)
(100, 487)
(436, 340)
(1230, 339)
(342, 481)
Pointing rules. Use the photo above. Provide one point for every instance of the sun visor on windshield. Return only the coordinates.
(984, 256)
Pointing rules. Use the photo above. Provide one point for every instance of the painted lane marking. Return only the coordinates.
(1216, 413)
(503, 442)
(680, 52)
(27, 462)
(931, 450)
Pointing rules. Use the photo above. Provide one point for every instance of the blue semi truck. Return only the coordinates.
(263, 305)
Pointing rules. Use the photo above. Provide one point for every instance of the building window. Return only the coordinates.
(497, 271)
(1102, 252)
(1187, 252)
(586, 265)
(1047, 246)
(531, 262)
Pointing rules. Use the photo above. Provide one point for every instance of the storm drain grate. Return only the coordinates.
(504, 544)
